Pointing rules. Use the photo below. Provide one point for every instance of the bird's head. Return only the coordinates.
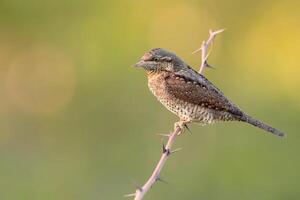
(157, 60)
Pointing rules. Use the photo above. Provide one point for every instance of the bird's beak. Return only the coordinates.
(141, 63)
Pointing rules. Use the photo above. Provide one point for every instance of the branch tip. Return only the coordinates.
(217, 31)
(206, 48)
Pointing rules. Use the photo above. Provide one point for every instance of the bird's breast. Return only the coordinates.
(156, 83)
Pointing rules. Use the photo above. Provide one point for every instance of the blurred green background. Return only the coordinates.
(78, 122)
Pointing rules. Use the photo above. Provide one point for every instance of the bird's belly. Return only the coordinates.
(187, 111)
(184, 110)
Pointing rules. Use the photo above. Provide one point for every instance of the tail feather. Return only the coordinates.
(262, 125)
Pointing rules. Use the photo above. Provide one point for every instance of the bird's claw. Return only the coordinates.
(181, 125)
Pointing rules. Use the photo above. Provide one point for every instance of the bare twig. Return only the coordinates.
(204, 49)
(141, 191)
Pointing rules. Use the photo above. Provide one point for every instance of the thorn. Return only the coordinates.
(164, 148)
(208, 65)
(214, 33)
(164, 135)
(176, 150)
(200, 49)
(187, 128)
(137, 186)
(167, 151)
(160, 180)
(219, 31)
(130, 195)
(197, 50)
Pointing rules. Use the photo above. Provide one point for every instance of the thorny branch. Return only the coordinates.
(166, 152)
(205, 47)
(178, 128)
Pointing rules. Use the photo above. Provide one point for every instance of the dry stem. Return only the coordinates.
(204, 49)
(141, 191)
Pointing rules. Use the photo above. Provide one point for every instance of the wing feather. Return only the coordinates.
(196, 89)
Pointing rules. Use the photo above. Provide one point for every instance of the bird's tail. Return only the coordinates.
(259, 124)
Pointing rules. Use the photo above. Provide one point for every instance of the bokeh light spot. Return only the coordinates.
(41, 80)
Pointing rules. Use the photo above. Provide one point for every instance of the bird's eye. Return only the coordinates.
(155, 59)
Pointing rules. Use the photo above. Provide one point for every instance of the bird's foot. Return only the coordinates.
(181, 125)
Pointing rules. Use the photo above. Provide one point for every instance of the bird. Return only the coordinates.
(188, 94)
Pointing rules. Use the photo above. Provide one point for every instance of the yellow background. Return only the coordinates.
(78, 122)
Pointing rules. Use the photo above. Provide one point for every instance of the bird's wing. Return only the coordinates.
(196, 89)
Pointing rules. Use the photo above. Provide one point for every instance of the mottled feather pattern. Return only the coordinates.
(187, 98)
(189, 94)
(200, 94)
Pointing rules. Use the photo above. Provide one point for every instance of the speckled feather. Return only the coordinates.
(190, 99)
